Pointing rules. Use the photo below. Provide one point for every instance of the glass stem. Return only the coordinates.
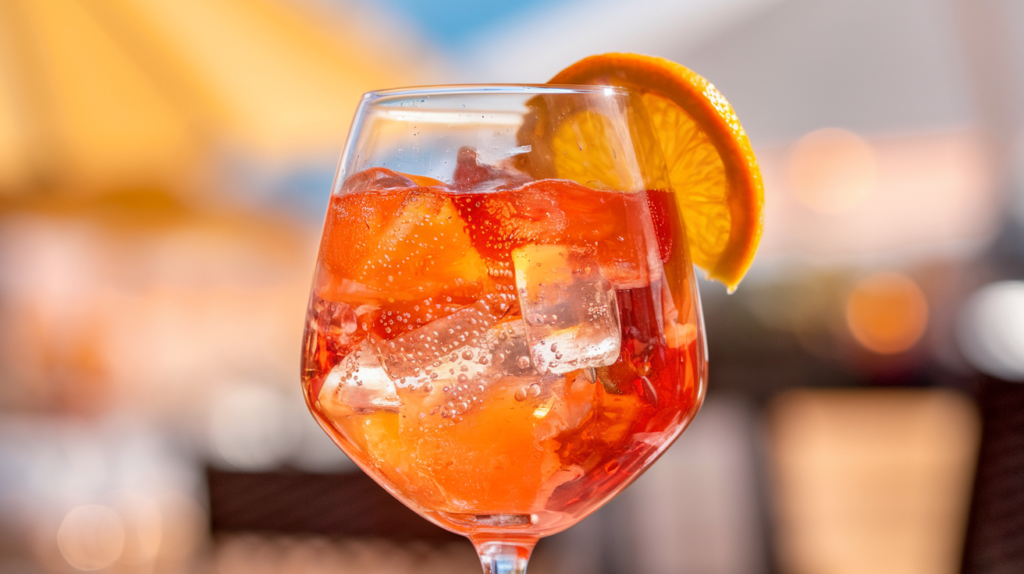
(503, 554)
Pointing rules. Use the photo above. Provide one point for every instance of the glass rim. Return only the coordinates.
(498, 89)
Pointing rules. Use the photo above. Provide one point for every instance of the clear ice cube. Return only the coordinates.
(414, 354)
(473, 175)
(375, 178)
(455, 382)
(464, 375)
(509, 349)
(334, 322)
(501, 351)
(358, 384)
(569, 309)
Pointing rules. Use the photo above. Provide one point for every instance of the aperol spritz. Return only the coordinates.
(501, 334)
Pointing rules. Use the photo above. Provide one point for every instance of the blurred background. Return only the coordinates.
(164, 170)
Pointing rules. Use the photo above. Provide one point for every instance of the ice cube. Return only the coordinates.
(472, 175)
(576, 347)
(407, 242)
(570, 311)
(412, 354)
(332, 326)
(502, 351)
(451, 385)
(375, 178)
(358, 384)
(510, 350)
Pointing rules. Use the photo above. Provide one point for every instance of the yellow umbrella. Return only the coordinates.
(102, 95)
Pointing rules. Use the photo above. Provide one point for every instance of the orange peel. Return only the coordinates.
(710, 163)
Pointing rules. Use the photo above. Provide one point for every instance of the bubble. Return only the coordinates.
(523, 362)
(534, 390)
(520, 394)
(463, 378)
(467, 354)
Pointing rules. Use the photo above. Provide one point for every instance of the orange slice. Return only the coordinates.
(711, 166)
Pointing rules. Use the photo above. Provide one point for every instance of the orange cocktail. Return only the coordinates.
(504, 330)
(509, 357)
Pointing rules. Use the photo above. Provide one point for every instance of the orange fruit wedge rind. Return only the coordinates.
(710, 163)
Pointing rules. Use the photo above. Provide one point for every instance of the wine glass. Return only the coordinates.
(504, 330)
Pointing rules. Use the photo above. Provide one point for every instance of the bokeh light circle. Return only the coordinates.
(249, 426)
(831, 170)
(991, 330)
(143, 527)
(91, 537)
(887, 313)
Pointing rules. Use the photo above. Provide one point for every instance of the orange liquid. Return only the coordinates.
(420, 364)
